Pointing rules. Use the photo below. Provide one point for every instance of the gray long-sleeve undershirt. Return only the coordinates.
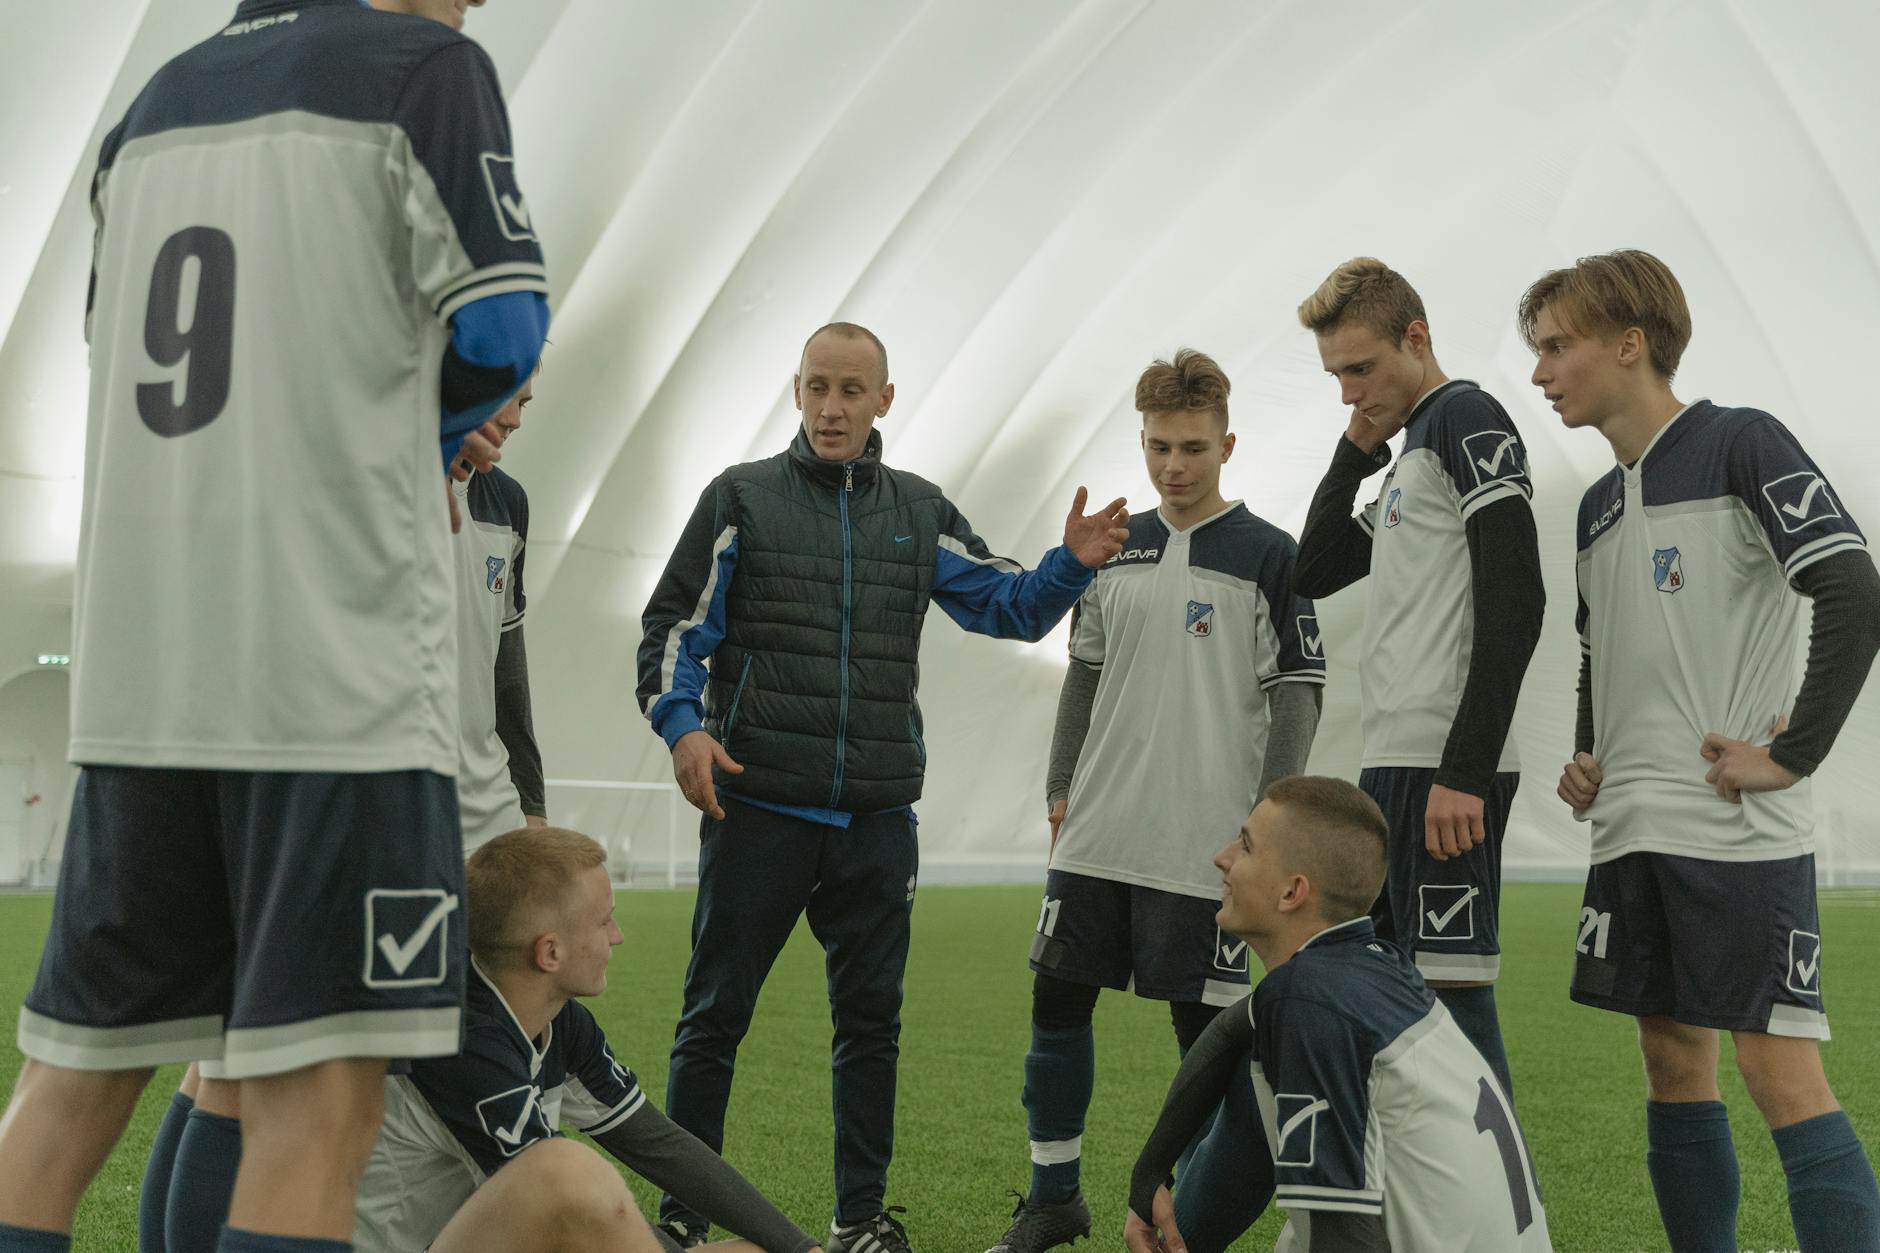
(674, 1160)
(1292, 711)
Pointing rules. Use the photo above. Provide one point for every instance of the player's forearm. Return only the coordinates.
(1075, 700)
(1842, 644)
(1508, 601)
(1334, 549)
(1293, 718)
(1199, 1085)
(494, 345)
(671, 1158)
(515, 722)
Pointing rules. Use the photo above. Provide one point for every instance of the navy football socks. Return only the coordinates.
(202, 1182)
(1832, 1196)
(1060, 1073)
(1474, 1012)
(155, 1197)
(238, 1241)
(1693, 1168)
(32, 1240)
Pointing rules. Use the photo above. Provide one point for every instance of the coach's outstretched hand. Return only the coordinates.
(692, 760)
(1579, 781)
(1094, 538)
(1140, 1236)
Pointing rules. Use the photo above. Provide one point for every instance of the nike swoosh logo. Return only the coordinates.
(517, 210)
(902, 539)
(1807, 502)
(1232, 954)
(1292, 1124)
(400, 956)
(1807, 969)
(513, 1135)
(1439, 922)
(1500, 450)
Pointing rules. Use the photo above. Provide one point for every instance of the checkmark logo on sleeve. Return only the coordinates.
(513, 1134)
(399, 956)
(1297, 1111)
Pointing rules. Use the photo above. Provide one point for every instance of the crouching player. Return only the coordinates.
(471, 1157)
(1389, 1134)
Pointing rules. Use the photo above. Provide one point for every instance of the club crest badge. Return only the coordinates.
(1393, 507)
(1200, 618)
(493, 576)
(1667, 570)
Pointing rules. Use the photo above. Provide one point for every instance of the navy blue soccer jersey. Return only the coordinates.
(454, 1121)
(1686, 610)
(1191, 630)
(1376, 1103)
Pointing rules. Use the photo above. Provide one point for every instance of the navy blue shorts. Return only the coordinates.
(1445, 914)
(258, 922)
(1734, 945)
(1116, 935)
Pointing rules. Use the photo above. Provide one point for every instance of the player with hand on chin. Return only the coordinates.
(1450, 622)
(1389, 1133)
(1692, 743)
(1191, 640)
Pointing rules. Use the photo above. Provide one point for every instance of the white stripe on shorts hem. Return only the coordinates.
(256, 1052)
(1459, 967)
(77, 1047)
(1794, 1020)
(1221, 992)
(1057, 1152)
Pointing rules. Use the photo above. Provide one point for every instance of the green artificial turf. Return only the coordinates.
(961, 1132)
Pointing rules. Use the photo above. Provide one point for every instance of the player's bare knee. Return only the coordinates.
(1784, 1077)
(576, 1188)
(1680, 1061)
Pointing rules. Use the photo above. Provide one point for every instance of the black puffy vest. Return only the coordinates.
(812, 688)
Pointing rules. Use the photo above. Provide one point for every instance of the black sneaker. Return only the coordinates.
(682, 1235)
(881, 1234)
(1038, 1227)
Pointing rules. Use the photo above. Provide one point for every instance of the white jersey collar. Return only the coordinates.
(548, 1033)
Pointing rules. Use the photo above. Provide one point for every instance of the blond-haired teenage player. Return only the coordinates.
(1693, 741)
(1452, 614)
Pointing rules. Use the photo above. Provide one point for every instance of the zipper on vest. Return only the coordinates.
(842, 709)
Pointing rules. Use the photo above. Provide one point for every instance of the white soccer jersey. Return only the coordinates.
(1191, 629)
(452, 1122)
(1685, 560)
(1376, 1103)
(1461, 453)
(490, 601)
(264, 576)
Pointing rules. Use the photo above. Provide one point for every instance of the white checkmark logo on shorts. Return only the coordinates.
(1439, 921)
(422, 958)
(399, 956)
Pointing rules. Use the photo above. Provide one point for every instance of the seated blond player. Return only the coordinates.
(471, 1155)
(1389, 1132)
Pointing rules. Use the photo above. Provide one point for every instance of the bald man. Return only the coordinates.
(779, 664)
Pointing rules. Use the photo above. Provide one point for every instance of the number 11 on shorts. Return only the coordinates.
(1048, 916)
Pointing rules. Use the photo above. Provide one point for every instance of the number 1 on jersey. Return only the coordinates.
(1492, 1116)
(206, 343)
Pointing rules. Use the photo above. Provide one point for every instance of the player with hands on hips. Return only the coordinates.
(1693, 742)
